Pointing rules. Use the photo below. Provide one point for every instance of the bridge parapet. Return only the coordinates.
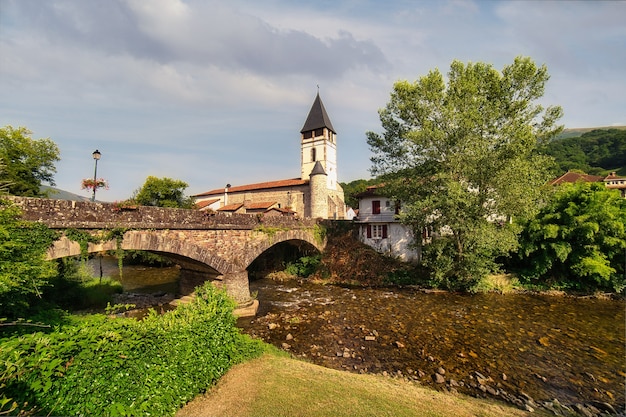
(63, 214)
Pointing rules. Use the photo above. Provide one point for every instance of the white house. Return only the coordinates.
(381, 229)
(615, 182)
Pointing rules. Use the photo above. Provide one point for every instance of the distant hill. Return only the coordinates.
(596, 151)
(579, 131)
(63, 195)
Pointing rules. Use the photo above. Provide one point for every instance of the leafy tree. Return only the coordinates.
(462, 158)
(27, 162)
(578, 240)
(23, 268)
(355, 187)
(163, 192)
(4, 185)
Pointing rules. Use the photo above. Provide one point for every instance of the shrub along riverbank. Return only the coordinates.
(96, 365)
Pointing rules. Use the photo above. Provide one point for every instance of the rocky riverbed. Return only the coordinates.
(559, 354)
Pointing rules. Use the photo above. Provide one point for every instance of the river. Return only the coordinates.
(512, 347)
(524, 349)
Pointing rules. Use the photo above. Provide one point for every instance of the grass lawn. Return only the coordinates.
(275, 385)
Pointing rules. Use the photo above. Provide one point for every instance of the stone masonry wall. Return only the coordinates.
(62, 214)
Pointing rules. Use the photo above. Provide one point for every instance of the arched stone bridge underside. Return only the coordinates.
(218, 247)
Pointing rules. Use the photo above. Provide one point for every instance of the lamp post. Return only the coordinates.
(96, 156)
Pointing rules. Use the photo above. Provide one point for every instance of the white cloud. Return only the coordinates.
(178, 87)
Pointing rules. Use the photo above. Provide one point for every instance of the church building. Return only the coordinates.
(316, 193)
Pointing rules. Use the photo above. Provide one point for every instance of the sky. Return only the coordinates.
(216, 92)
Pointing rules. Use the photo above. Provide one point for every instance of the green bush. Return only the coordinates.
(577, 241)
(304, 266)
(401, 277)
(122, 367)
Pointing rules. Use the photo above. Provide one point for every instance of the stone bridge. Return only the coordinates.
(215, 247)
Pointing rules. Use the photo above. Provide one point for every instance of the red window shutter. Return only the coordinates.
(369, 231)
(376, 207)
(384, 231)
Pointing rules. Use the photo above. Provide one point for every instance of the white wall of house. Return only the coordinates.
(382, 231)
(395, 242)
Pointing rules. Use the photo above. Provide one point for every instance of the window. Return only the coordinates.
(319, 132)
(308, 135)
(376, 207)
(377, 231)
(313, 155)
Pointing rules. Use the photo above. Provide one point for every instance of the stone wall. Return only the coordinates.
(293, 197)
(63, 214)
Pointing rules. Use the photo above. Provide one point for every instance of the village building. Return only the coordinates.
(615, 182)
(381, 229)
(572, 177)
(611, 181)
(316, 193)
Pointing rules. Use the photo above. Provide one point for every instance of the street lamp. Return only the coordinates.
(96, 156)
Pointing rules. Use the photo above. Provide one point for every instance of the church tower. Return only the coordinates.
(318, 144)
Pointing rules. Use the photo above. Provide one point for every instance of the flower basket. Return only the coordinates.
(94, 184)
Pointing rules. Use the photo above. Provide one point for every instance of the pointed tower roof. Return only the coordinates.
(318, 169)
(318, 118)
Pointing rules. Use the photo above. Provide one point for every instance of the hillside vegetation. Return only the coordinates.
(597, 151)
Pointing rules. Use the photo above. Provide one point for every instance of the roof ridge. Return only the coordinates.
(246, 187)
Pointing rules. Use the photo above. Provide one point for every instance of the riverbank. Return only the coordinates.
(347, 261)
(276, 385)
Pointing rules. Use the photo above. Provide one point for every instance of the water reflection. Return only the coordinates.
(138, 278)
(544, 347)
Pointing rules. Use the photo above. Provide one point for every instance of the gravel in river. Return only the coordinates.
(560, 353)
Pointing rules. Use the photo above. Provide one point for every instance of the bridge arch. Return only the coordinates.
(147, 241)
(296, 236)
(223, 258)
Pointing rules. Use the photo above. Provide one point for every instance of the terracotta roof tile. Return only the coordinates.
(264, 205)
(613, 176)
(370, 191)
(257, 186)
(231, 207)
(283, 210)
(206, 203)
(573, 177)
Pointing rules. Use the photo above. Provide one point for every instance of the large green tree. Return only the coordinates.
(27, 162)
(578, 240)
(462, 158)
(163, 192)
